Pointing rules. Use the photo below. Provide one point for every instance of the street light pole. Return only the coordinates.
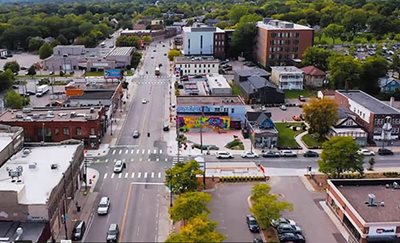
(111, 122)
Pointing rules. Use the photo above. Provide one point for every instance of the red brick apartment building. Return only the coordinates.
(279, 42)
(58, 124)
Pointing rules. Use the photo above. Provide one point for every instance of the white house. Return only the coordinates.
(287, 77)
(198, 40)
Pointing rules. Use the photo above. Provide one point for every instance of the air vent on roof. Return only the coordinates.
(26, 152)
(19, 116)
(62, 114)
(32, 165)
(28, 118)
(54, 166)
(26, 110)
(88, 117)
(92, 110)
(36, 116)
(73, 114)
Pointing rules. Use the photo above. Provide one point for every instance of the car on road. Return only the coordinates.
(283, 107)
(271, 154)
(249, 155)
(223, 155)
(366, 152)
(276, 222)
(136, 134)
(310, 153)
(118, 166)
(154, 50)
(79, 230)
(112, 233)
(291, 237)
(165, 127)
(104, 206)
(252, 224)
(144, 101)
(287, 153)
(288, 228)
(385, 151)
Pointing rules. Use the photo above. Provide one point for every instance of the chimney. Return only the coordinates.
(391, 101)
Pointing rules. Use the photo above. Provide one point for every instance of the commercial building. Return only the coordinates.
(87, 124)
(77, 57)
(279, 42)
(259, 90)
(371, 114)
(11, 141)
(186, 65)
(217, 85)
(367, 208)
(313, 77)
(38, 186)
(215, 112)
(222, 44)
(289, 77)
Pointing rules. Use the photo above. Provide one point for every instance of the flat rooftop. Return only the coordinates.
(121, 51)
(286, 69)
(209, 100)
(50, 114)
(356, 193)
(246, 71)
(274, 24)
(189, 59)
(37, 183)
(94, 95)
(217, 81)
(369, 102)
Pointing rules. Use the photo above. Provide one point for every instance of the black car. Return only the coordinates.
(291, 237)
(258, 240)
(310, 153)
(113, 233)
(288, 228)
(385, 151)
(79, 230)
(165, 128)
(271, 154)
(252, 224)
(136, 134)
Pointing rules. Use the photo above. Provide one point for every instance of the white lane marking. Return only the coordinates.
(133, 175)
(145, 175)
(160, 151)
(152, 175)
(131, 159)
(126, 151)
(106, 160)
(112, 175)
(105, 176)
(166, 159)
(155, 151)
(120, 175)
(138, 151)
(126, 175)
(132, 151)
(123, 160)
(159, 174)
(143, 151)
(114, 151)
(120, 151)
(140, 159)
(158, 159)
(148, 151)
(147, 183)
(139, 174)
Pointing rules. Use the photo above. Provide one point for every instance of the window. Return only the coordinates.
(56, 131)
(201, 41)
(189, 44)
(92, 131)
(209, 71)
(78, 131)
(66, 131)
(233, 110)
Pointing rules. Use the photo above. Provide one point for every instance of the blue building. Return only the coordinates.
(388, 84)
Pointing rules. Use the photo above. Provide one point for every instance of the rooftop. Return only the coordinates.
(135, 31)
(356, 193)
(311, 70)
(253, 83)
(94, 95)
(245, 71)
(286, 69)
(37, 183)
(45, 114)
(273, 24)
(199, 28)
(209, 100)
(215, 81)
(121, 51)
(190, 59)
(369, 102)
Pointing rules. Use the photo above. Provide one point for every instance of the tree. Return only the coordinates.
(45, 51)
(316, 56)
(35, 43)
(14, 100)
(173, 53)
(243, 40)
(12, 65)
(395, 66)
(344, 71)
(354, 20)
(373, 68)
(31, 70)
(339, 155)
(182, 177)
(334, 31)
(147, 39)
(6, 79)
(198, 229)
(237, 11)
(320, 114)
(266, 206)
(124, 40)
(136, 59)
(371, 163)
(189, 205)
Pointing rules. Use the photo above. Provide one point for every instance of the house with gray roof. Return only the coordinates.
(388, 84)
(260, 124)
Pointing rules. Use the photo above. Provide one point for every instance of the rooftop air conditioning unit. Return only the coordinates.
(36, 116)
(92, 110)
(28, 118)
(73, 114)
(26, 110)
(32, 165)
(19, 116)
(54, 166)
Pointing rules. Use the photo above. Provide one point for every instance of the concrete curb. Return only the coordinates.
(335, 220)
(261, 232)
(307, 184)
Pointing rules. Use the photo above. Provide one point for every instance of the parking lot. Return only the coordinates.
(24, 60)
(278, 115)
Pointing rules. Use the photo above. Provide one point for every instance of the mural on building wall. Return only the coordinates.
(221, 122)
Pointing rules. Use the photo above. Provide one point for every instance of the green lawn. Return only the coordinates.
(294, 94)
(311, 142)
(286, 134)
(129, 73)
(91, 74)
(235, 89)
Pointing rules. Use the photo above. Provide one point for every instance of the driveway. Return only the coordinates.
(278, 115)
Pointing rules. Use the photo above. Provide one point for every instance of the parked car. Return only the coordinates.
(252, 224)
(385, 151)
(104, 205)
(223, 155)
(112, 233)
(283, 107)
(271, 154)
(287, 153)
(288, 228)
(258, 240)
(144, 101)
(165, 127)
(118, 166)
(136, 134)
(79, 230)
(296, 118)
(310, 153)
(302, 98)
(249, 155)
(291, 237)
(276, 222)
(366, 152)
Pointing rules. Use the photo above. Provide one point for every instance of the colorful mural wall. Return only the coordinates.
(220, 122)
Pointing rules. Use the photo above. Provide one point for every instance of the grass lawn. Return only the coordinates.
(294, 94)
(310, 141)
(235, 89)
(286, 135)
(129, 73)
(98, 73)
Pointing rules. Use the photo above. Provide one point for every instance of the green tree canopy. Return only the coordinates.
(334, 31)
(340, 155)
(35, 43)
(344, 70)
(199, 230)
(12, 65)
(355, 20)
(243, 40)
(316, 56)
(173, 53)
(45, 51)
(124, 40)
(182, 177)
(14, 100)
(31, 70)
(373, 68)
(237, 11)
(6, 79)
(189, 205)
(136, 59)
(320, 114)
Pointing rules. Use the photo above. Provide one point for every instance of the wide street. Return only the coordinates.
(136, 193)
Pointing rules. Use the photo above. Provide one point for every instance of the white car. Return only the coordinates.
(249, 155)
(118, 166)
(366, 152)
(287, 153)
(104, 205)
(144, 101)
(223, 155)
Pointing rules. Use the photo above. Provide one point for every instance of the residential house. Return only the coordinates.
(388, 84)
(260, 125)
(289, 77)
(313, 77)
(259, 90)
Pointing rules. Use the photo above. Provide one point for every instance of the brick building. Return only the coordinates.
(367, 208)
(59, 124)
(370, 113)
(222, 43)
(279, 42)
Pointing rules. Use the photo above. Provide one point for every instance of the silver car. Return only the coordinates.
(104, 205)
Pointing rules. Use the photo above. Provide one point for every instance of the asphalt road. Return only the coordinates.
(136, 192)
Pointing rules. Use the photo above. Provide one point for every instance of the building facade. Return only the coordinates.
(196, 65)
(279, 42)
(313, 77)
(289, 77)
(198, 40)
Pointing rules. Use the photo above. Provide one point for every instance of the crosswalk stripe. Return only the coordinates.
(148, 151)
(158, 159)
(126, 151)
(139, 174)
(160, 151)
(112, 175)
(120, 175)
(133, 175)
(152, 175)
(145, 175)
(143, 151)
(132, 151)
(123, 160)
(106, 160)
(115, 160)
(159, 174)
(126, 175)
(137, 152)
(131, 159)
(114, 151)
(120, 151)
(148, 159)
(105, 176)
(140, 159)
(155, 151)
(166, 159)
